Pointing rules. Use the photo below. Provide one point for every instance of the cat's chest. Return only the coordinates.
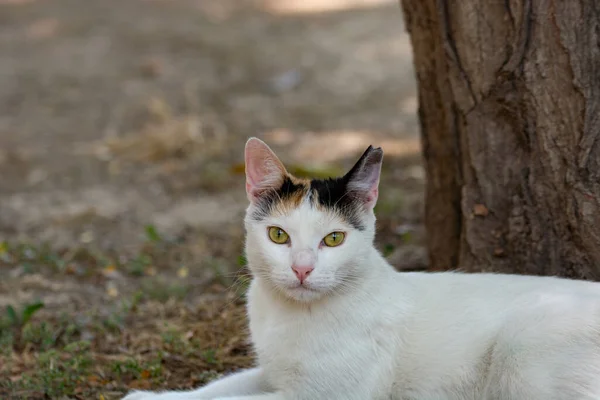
(295, 341)
(321, 348)
(286, 350)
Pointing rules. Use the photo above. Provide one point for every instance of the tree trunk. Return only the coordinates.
(509, 102)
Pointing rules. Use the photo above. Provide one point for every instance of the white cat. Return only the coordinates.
(331, 319)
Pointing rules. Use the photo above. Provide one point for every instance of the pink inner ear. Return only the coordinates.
(372, 193)
(372, 197)
(366, 181)
(263, 169)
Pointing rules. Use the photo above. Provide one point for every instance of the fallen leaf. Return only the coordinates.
(145, 374)
(86, 237)
(183, 272)
(110, 271)
(111, 290)
(110, 268)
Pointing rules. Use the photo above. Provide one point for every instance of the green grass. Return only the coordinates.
(116, 343)
(58, 372)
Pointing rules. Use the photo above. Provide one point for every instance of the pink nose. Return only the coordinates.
(302, 272)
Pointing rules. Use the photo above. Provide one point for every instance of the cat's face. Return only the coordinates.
(309, 238)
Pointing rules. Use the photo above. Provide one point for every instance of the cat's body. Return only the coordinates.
(330, 318)
(424, 337)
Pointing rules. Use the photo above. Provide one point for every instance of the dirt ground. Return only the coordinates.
(122, 126)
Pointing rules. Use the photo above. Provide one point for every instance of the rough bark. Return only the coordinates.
(509, 102)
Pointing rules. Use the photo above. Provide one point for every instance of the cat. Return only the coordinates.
(331, 319)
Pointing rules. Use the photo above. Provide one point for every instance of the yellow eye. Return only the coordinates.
(278, 235)
(334, 239)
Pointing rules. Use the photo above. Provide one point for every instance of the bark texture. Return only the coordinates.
(509, 94)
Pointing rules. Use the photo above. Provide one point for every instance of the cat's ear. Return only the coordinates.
(363, 179)
(264, 171)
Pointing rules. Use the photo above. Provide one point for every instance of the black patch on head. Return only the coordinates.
(267, 200)
(333, 194)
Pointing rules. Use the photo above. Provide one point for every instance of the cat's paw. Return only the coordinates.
(143, 395)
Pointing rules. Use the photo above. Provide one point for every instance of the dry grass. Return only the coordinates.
(166, 136)
(145, 338)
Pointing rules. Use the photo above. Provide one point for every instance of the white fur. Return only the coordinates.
(410, 336)
(359, 330)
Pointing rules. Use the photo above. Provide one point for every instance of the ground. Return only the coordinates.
(122, 126)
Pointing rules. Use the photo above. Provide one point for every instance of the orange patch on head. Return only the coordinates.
(291, 199)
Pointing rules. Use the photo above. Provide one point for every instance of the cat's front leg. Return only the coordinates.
(248, 382)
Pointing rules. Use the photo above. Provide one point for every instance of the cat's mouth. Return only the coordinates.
(304, 292)
(302, 287)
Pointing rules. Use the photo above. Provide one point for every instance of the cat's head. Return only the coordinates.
(309, 238)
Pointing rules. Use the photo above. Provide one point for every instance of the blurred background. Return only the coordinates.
(122, 127)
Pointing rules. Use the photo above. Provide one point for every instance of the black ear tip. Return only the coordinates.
(371, 148)
(375, 152)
